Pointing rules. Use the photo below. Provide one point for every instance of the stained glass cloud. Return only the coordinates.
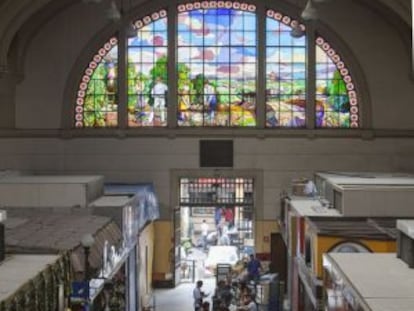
(285, 73)
(147, 72)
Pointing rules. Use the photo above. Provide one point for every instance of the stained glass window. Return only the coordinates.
(336, 101)
(216, 50)
(97, 96)
(216, 76)
(285, 73)
(147, 72)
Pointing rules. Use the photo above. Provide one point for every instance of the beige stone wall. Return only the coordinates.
(153, 160)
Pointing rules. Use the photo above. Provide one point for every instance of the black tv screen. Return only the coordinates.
(216, 153)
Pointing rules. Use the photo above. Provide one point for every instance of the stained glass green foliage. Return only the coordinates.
(101, 99)
(332, 100)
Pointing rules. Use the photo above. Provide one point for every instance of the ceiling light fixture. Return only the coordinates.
(113, 13)
(310, 12)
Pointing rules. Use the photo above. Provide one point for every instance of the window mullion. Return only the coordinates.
(261, 67)
(122, 79)
(311, 75)
(171, 66)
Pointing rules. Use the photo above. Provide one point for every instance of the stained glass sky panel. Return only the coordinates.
(97, 100)
(285, 73)
(216, 67)
(147, 72)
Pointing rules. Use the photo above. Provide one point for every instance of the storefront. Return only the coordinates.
(124, 279)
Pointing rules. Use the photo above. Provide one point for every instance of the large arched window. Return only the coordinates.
(218, 64)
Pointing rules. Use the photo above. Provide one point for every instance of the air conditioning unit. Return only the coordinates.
(368, 194)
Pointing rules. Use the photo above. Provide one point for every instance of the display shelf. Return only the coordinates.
(96, 285)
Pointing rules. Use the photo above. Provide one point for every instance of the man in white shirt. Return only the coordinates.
(210, 100)
(198, 296)
(204, 233)
(158, 93)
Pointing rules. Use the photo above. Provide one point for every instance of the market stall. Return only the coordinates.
(35, 282)
(134, 207)
(60, 235)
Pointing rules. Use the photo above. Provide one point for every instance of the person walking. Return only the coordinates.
(204, 233)
(229, 217)
(198, 296)
(253, 269)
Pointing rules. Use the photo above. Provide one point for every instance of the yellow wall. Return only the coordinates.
(322, 244)
(163, 237)
(146, 241)
(163, 234)
(263, 229)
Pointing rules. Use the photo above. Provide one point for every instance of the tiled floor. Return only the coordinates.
(181, 297)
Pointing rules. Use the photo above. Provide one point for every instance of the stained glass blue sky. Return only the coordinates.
(218, 41)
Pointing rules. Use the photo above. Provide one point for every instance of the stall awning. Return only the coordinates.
(52, 234)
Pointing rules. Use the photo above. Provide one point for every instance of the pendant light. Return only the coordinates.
(310, 12)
